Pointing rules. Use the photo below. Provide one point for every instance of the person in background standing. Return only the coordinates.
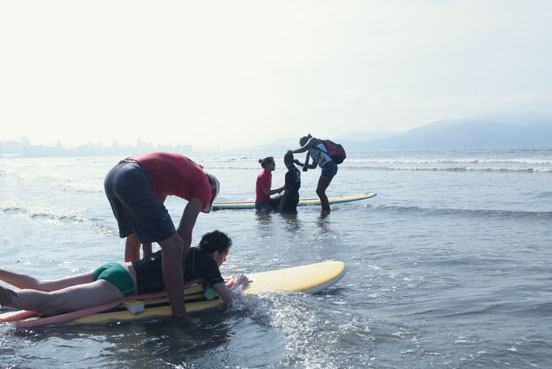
(319, 154)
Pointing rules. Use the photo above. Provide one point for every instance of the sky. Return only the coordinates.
(227, 74)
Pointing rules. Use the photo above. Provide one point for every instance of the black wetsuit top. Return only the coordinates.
(199, 265)
(292, 184)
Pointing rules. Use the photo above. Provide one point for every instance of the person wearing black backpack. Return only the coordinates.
(320, 157)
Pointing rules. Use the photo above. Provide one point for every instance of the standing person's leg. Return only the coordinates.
(129, 191)
(329, 170)
(114, 179)
(132, 248)
(323, 183)
(146, 250)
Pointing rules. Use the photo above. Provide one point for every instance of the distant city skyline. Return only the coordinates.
(24, 147)
(524, 132)
(236, 74)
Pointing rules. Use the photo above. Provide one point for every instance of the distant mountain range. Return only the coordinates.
(522, 132)
(465, 134)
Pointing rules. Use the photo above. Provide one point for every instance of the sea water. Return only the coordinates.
(447, 267)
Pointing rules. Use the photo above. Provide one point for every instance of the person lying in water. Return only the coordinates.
(113, 281)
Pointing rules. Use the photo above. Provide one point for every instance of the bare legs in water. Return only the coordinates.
(56, 296)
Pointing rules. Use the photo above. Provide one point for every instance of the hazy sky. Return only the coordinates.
(237, 73)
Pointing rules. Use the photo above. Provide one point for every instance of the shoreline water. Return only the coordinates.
(445, 268)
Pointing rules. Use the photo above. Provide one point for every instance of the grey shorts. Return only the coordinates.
(135, 206)
(329, 169)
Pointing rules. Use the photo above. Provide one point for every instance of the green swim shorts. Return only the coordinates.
(117, 274)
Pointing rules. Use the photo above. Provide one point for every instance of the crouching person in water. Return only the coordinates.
(113, 281)
(263, 187)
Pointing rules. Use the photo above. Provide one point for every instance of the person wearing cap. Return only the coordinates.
(136, 189)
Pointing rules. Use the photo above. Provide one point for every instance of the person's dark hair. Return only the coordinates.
(215, 241)
(303, 140)
(288, 158)
(264, 162)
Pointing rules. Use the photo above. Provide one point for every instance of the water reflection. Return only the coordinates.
(323, 222)
(292, 223)
(161, 342)
(264, 220)
(221, 337)
(263, 217)
(289, 223)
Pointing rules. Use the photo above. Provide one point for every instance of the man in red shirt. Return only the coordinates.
(136, 189)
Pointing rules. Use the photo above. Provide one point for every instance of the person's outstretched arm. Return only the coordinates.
(172, 249)
(312, 142)
(312, 165)
(225, 293)
(175, 250)
(269, 192)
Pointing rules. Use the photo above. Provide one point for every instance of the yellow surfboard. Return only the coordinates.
(195, 301)
(304, 202)
(310, 278)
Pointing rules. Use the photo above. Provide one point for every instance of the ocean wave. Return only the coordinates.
(524, 164)
(486, 213)
(99, 228)
(478, 169)
(36, 213)
(527, 161)
(65, 182)
(457, 169)
(83, 187)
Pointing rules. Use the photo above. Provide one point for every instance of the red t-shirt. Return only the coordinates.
(264, 182)
(175, 175)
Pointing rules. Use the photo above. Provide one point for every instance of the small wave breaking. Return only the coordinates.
(497, 213)
(60, 217)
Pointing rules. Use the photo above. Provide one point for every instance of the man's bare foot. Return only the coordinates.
(6, 296)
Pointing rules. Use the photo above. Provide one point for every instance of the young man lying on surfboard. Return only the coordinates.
(113, 281)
